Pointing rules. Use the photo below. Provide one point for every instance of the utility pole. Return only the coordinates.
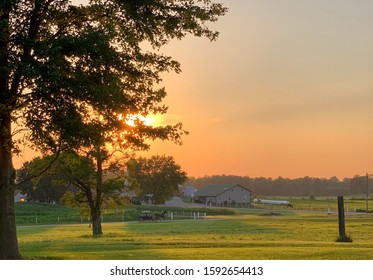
(367, 197)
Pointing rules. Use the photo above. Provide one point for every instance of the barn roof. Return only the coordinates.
(214, 190)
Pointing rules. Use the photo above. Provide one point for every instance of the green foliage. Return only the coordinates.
(46, 188)
(84, 66)
(32, 213)
(51, 176)
(74, 200)
(80, 174)
(159, 177)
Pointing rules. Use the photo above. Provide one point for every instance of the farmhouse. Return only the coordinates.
(221, 195)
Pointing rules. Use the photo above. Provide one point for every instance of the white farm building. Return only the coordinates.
(224, 195)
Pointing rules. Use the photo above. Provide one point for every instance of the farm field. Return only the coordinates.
(249, 235)
(322, 204)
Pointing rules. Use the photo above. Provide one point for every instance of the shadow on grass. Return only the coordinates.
(197, 227)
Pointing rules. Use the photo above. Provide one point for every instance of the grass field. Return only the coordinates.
(323, 204)
(292, 235)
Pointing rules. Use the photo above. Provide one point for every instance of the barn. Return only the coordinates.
(224, 195)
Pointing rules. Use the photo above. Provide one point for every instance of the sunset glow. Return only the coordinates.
(150, 120)
(286, 90)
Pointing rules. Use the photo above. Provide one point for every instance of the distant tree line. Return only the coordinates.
(300, 187)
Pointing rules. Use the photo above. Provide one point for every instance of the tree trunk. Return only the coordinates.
(96, 209)
(96, 222)
(8, 234)
(95, 213)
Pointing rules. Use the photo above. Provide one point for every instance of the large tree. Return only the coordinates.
(159, 177)
(69, 73)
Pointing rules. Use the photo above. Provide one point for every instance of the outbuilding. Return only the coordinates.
(224, 195)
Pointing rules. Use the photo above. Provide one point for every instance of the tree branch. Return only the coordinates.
(43, 171)
(34, 27)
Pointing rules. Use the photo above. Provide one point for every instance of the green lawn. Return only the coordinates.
(293, 235)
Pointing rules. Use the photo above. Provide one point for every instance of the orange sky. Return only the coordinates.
(287, 90)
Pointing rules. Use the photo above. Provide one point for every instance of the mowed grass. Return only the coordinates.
(321, 204)
(290, 236)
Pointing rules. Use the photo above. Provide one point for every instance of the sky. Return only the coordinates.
(286, 90)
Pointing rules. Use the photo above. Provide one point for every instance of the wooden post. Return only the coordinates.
(367, 196)
(341, 218)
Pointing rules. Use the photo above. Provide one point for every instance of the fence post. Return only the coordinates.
(341, 218)
(204, 216)
(194, 215)
(172, 215)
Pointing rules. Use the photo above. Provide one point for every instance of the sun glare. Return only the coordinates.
(150, 120)
(154, 120)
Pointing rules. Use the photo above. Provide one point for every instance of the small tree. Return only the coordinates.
(158, 177)
(92, 189)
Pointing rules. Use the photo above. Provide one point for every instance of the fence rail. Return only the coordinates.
(106, 217)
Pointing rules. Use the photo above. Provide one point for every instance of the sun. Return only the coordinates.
(154, 120)
(150, 120)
